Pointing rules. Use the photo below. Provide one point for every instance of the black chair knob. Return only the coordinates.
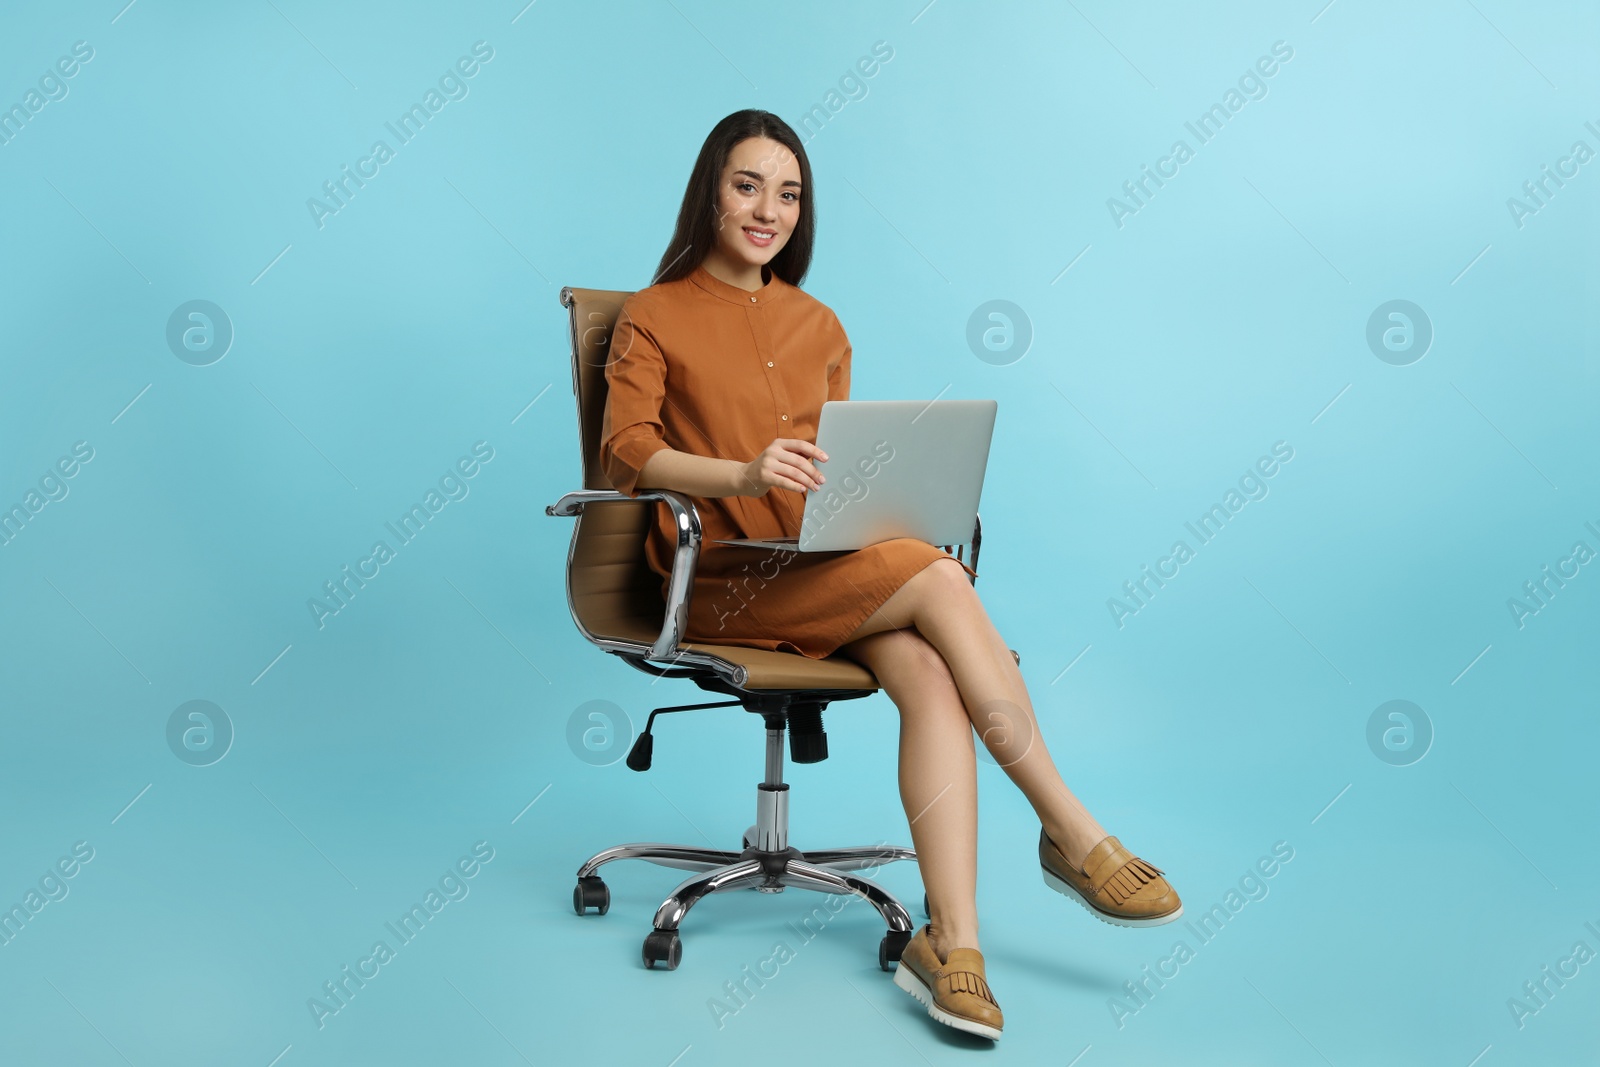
(808, 741)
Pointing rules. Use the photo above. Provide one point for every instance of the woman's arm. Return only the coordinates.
(695, 475)
(787, 463)
(631, 431)
(839, 376)
(634, 452)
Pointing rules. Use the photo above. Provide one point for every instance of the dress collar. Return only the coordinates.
(775, 288)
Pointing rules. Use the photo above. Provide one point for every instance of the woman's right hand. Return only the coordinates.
(786, 464)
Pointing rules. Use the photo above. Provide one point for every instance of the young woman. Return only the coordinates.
(717, 376)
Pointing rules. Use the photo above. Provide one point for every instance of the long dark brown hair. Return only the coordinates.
(696, 232)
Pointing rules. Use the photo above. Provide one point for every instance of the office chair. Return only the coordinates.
(616, 602)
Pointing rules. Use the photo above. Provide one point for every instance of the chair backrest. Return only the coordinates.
(611, 588)
(592, 317)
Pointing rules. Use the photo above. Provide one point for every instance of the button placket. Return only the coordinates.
(780, 395)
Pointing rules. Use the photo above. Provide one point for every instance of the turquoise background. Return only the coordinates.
(373, 352)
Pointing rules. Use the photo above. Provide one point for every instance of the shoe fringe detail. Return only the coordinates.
(968, 982)
(1133, 876)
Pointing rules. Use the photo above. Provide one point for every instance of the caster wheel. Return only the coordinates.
(663, 946)
(890, 947)
(589, 893)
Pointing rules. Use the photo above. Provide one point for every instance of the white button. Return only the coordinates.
(786, 418)
(752, 300)
(769, 362)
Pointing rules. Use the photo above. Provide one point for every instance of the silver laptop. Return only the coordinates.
(895, 468)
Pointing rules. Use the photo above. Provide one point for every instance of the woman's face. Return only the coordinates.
(758, 201)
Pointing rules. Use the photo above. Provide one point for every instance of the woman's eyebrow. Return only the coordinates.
(758, 177)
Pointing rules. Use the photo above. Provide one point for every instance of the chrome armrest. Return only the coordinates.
(681, 582)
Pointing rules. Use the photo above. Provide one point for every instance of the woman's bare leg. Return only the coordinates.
(942, 605)
(938, 776)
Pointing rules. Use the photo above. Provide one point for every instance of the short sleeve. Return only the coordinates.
(839, 377)
(636, 379)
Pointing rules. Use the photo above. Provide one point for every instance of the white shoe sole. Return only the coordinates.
(907, 979)
(1066, 890)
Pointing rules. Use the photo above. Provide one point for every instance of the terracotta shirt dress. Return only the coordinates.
(705, 367)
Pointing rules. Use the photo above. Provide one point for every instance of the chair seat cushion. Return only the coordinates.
(767, 670)
(787, 670)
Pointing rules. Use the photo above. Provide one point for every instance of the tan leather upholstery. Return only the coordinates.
(612, 589)
(594, 315)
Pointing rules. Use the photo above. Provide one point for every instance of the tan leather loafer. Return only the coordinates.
(955, 992)
(1115, 885)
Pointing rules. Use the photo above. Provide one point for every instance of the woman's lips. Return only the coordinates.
(758, 240)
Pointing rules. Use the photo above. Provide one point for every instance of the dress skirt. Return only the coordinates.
(801, 602)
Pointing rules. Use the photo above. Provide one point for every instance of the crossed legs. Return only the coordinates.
(938, 656)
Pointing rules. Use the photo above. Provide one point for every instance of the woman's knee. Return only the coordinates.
(940, 583)
(945, 592)
(948, 569)
(951, 584)
(931, 587)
